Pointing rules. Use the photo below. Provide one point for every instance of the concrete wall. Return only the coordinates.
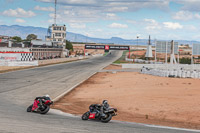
(18, 63)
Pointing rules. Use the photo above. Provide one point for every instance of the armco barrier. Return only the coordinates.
(176, 73)
(139, 66)
(163, 66)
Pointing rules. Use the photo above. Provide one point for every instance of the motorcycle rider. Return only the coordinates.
(104, 106)
(40, 99)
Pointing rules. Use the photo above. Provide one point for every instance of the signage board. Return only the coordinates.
(163, 47)
(10, 57)
(94, 47)
(107, 47)
(16, 56)
(119, 47)
(196, 49)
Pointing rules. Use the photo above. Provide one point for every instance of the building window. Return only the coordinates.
(57, 28)
(58, 34)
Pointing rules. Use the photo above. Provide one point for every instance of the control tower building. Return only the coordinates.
(57, 35)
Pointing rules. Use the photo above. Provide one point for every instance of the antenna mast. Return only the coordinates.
(55, 12)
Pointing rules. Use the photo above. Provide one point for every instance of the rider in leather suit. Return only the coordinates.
(40, 99)
(104, 106)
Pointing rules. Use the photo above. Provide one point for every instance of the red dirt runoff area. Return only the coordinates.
(139, 98)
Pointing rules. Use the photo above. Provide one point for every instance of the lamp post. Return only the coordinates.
(137, 47)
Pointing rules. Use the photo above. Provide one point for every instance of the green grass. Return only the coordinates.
(106, 53)
(122, 58)
(120, 62)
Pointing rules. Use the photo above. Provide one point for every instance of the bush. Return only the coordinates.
(69, 45)
(185, 60)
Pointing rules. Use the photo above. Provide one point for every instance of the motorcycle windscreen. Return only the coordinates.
(35, 105)
(92, 116)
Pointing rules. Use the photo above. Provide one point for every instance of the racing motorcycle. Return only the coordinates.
(41, 106)
(94, 113)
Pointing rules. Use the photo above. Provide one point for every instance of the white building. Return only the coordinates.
(57, 34)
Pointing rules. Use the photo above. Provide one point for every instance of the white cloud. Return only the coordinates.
(197, 16)
(18, 20)
(77, 25)
(50, 21)
(99, 30)
(117, 9)
(45, 0)
(52, 15)
(78, 11)
(114, 5)
(189, 5)
(51, 9)
(71, 2)
(19, 12)
(111, 15)
(151, 24)
(117, 25)
(171, 25)
(68, 14)
(183, 15)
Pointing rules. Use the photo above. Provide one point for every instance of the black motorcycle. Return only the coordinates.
(94, 113)
(42, 109)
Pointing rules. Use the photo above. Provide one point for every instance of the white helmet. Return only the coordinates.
(47, 95)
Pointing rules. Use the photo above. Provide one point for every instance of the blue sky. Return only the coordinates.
(162, 19)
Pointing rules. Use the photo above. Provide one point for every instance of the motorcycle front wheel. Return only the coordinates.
(107, 118)
(85, 116)
(29, 108)
(45, 110)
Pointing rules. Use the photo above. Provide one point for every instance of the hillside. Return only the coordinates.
(23, 31)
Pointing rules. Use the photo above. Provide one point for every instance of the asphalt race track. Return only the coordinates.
(19, 88)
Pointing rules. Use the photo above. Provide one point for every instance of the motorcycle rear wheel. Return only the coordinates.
(85, 116)
(107, 118)
(45, 110)
(29, 109)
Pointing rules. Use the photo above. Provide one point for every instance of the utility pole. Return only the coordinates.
(55, 12)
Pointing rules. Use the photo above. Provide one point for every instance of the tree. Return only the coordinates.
(31, 37)
(185, 60)
(69, 45)
(16, 38)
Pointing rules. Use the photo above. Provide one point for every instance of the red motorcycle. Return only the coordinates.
(94, 113)
(41, 105)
